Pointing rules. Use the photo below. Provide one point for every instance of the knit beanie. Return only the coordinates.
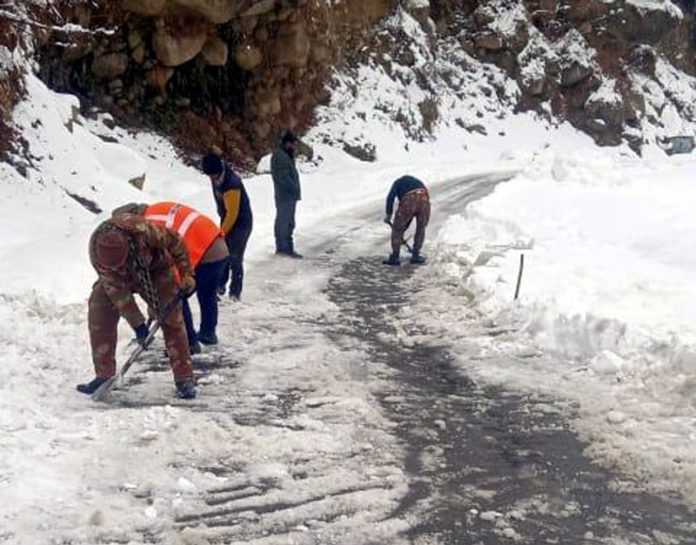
(111, 250)
(212, 164)
(288, 138)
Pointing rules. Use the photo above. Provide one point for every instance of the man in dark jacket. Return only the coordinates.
(414, 202)
(286, 184)
(236, 220)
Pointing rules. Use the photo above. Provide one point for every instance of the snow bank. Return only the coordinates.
(607, 240)
(607, 298)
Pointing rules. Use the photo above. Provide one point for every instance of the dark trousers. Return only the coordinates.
(207, 280)
(285, 225)
(236, 241)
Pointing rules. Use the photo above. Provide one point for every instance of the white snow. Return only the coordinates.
(607, 296)
(606, 93)
(605, 316)
(662, 5)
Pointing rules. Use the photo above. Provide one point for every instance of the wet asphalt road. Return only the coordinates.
(489, 466)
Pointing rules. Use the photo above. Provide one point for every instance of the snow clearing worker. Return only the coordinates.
(236, 219)
(132, 256)
(286, 186)
(414, 202)
(209, 258)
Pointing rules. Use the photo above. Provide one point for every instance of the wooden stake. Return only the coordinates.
(519, 277)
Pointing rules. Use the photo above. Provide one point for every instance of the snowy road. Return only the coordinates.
(321, 421)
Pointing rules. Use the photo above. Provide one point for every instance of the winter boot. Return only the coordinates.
(195, 348)
(393, 260)
(292, 253)
(417, 259)
(207, 338)
(186, 389)
(91, 387)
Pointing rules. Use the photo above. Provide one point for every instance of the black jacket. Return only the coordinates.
(286, 180)
(399, 188)
(232, 202)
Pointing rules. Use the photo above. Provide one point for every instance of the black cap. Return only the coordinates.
(212, 164)
(288, 137)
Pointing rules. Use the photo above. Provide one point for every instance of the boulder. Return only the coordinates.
(533, 87)
(259, 7)
(215, 51)
(79, 48)
(291, 47)
(135, 38)
(419, 10)
(110, 66)
(483, 16)
(249, 57)
(268, 103)
(637, 23)
(138, 53)
(215, 11)
(488, 41)
(577, 59)
(176, 49)
(138, 182)
(574, 73)
(149, 8)
(320, 53)
(159, 76)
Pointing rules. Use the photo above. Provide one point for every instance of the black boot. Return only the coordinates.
(292, 253)
(417, 259)
(207, 338)
(186, 389)
(195, 348)
(393, 260)
(91, 387)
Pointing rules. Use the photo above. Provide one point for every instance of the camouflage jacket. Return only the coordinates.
(159, 249)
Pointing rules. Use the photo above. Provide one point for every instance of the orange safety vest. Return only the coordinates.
(197, 231)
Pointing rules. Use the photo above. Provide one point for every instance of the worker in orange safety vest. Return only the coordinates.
(209, 255)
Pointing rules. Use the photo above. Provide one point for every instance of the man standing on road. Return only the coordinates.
(286, 184)
(131, 256)
(414, 202)
(209, 258)
(236, 220)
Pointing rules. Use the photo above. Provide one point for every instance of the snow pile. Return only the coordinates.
(607, 300)
(652, 5)
(609, 241)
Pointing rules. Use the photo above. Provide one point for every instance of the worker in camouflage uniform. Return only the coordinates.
(132, 256)
(414, 202)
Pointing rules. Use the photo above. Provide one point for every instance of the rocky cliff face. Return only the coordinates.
(583, 57)
(234, 73)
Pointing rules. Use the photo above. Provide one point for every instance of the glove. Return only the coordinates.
(141, 333)
(188, 285)
(387, 220)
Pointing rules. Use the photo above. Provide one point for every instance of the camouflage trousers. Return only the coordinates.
(103, 319)
(415, 204)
